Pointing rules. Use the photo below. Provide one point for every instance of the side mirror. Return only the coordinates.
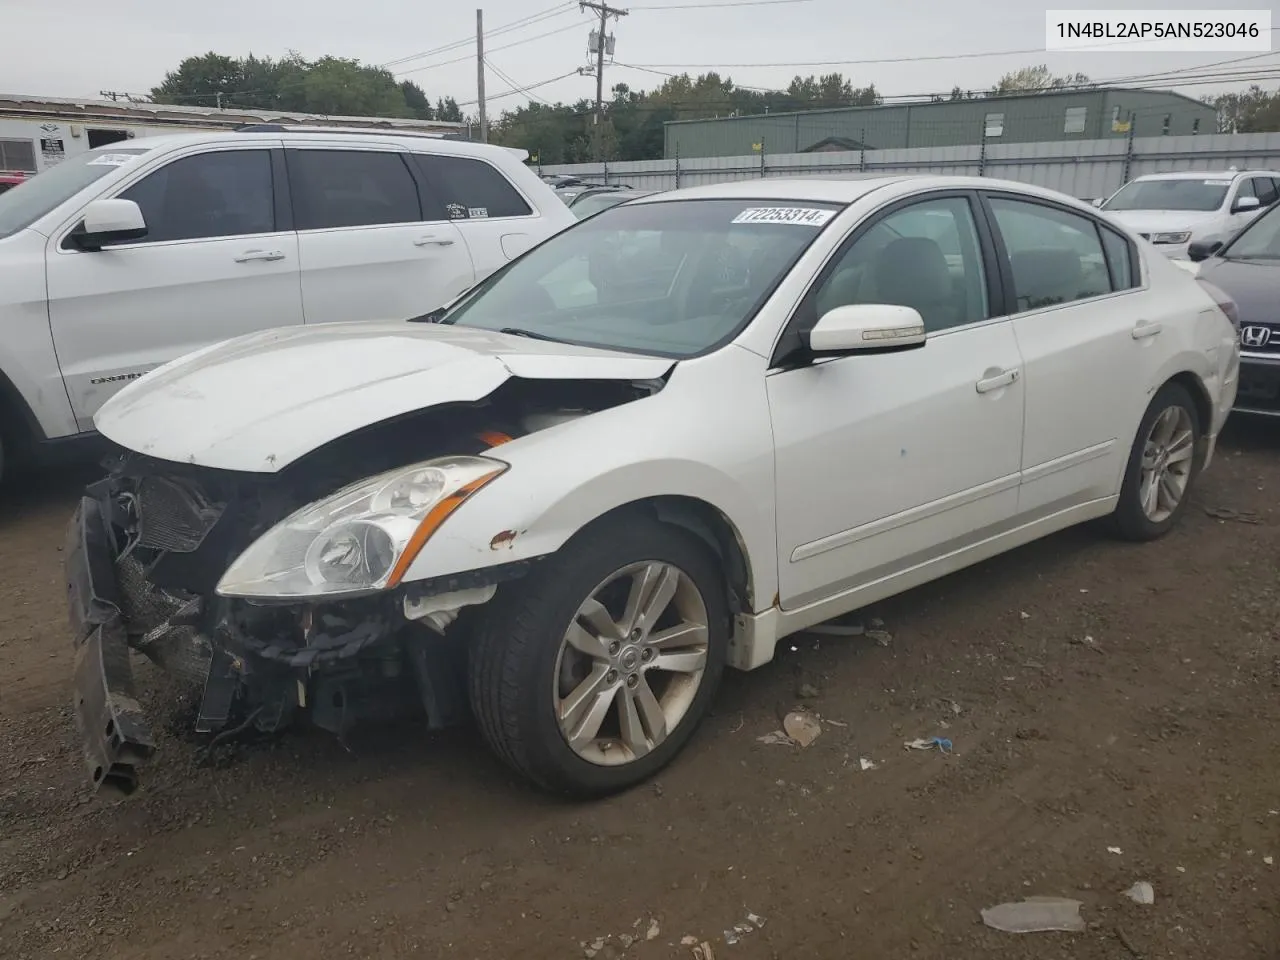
(861, 327)
(1203, 250)
(1245, 203)
(109, 221)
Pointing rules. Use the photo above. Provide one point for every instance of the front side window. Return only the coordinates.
(672, 278)
(925, 256)
(471, 189)
(1054, 257)
(1174, 193)
(1260, 240)
(223, 194)
(351, 188)
(43, 193)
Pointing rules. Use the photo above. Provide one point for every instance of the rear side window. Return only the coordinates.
(1265, 189)
(351, 188)
(1119, 253)
(471, 189)
(227, 193)
(1055, 257)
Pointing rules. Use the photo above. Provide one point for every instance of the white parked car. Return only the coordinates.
(650, 448)
(1174, 210)
(125, 257)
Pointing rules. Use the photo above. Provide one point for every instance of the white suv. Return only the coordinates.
(130, 255)
(1175, 210)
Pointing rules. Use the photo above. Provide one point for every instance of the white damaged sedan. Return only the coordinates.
(647, 449)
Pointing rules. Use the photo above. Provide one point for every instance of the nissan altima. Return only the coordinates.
(644, 451)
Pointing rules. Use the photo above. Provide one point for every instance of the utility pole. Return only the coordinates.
(484, 121)
(605, 11)
(111, 95)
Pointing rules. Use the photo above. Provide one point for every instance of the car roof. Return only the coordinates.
(842, 189)
(172, 141)
(1205, 174)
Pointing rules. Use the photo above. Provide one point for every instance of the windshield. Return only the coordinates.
(585, 206)
(1260, 240)
(1180, 193)
(32, 199)
(673, 278)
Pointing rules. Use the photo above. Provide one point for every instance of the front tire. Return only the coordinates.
(591, 674)
(1162, 467)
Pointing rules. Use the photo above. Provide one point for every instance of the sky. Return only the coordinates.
(77, 48)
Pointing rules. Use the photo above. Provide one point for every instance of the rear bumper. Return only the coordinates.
(114, 734)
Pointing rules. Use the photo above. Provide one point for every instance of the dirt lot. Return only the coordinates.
(1098, 696)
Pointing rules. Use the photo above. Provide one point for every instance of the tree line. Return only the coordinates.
(566, 132)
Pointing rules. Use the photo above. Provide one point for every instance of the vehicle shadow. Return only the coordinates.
(1251, 433)
(43, 491)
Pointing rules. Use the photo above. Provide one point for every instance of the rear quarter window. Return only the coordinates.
(471, 189)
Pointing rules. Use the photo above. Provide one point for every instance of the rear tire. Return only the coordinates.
(592, 673)
(1162, 467)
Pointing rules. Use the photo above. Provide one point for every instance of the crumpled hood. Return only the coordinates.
(259, 402)
(1164, 221)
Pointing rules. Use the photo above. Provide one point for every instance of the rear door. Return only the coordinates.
(373, 242)
(497, 221)
(220, 259)
(1089, 336)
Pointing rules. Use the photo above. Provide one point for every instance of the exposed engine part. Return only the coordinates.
(440, 610)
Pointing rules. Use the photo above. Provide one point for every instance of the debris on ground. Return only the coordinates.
(703, 952)
(1237, 516)
(1024, 615)
(653, 931)
(688, 941)
(776, 739)
(865, 764)
(1116, 850)
(1036, 915)
(1268, 860)
(930, 743)
(881, 637)
(802, 727)
(740, 930)
(807, 691)
(1141, 892)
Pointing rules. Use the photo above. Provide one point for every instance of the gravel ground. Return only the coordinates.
(1110, 707)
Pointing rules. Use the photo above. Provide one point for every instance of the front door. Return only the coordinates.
(214, 265)
(1088, 337)
(888, 461)
(373, 244)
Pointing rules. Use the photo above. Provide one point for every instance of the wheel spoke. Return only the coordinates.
(1181, 448)
(595, 614)
(687, 661)
(683, 635)
(651, 591)
(1165, 425)
(583, 711)
(655, 721)
(635, 717)
(1151, 495)
(1170, 494)
(585, 642)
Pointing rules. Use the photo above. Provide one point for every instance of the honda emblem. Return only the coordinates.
(1255, 336)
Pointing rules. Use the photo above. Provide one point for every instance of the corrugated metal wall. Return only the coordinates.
(1073, 115)
(1081, 168)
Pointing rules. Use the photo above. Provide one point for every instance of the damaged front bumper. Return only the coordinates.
(114, 732)
(259, 666)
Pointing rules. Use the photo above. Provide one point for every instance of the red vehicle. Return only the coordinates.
(8, 180)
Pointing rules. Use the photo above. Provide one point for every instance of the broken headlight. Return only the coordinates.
(359, 540)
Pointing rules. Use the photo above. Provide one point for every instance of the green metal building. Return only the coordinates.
(1026, 118)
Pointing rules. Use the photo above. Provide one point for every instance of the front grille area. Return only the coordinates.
(173, 515)
(1260, 338)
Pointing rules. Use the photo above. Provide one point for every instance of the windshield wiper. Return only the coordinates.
(518, 332)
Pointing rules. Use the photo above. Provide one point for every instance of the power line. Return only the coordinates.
(525, 90)
(857, 63)
(506, 46)
(717, 6)
(506, 78)
(551, 12)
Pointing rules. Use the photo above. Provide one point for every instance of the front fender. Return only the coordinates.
(691, 440)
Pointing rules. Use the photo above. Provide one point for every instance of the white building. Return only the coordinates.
(37, 132)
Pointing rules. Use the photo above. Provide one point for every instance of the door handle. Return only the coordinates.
(431, 240)
(1002, 379)
(1146, 329)
(268, 255)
